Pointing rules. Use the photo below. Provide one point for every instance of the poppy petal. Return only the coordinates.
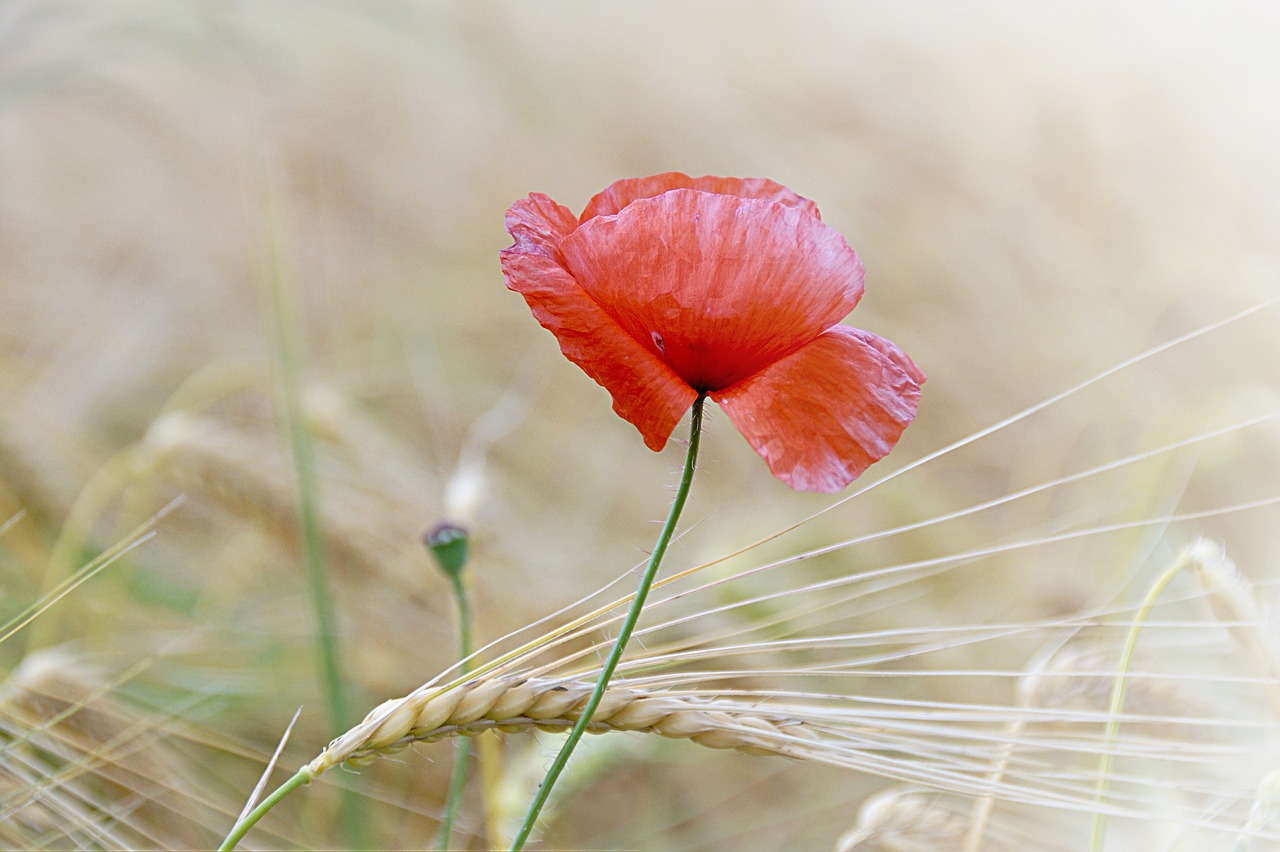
(645, 391)
(716, 286)
(827, 412)
(538, 224)
(620, 193)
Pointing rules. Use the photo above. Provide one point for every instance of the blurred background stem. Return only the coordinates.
(288, 358)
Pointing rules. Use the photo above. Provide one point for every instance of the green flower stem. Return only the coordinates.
(624, 634)
(462, 752)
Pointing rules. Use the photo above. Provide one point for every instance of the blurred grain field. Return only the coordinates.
(1039, 194)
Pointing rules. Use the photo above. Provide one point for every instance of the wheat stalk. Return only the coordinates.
(1234, 602)
(76, 763)
(1081, 677)
(239, 471)
(907, 819)
(516, 705)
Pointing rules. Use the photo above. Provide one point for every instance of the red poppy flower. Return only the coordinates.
(669, 286)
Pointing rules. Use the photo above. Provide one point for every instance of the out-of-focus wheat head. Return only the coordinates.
(1038, 195)
(78, 765)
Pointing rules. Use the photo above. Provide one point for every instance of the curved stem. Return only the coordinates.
(1118, 690)
(241, 828)
(624, 634)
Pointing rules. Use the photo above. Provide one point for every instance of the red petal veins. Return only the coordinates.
(645, 391)
(826, 413)
(716, 286)
(889, 350)
(621, 193)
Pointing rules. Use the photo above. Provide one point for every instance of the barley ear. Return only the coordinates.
(516, 705)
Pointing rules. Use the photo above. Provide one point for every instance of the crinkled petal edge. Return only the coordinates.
(645, 391)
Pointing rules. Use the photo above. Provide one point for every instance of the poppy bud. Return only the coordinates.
(448, 544)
